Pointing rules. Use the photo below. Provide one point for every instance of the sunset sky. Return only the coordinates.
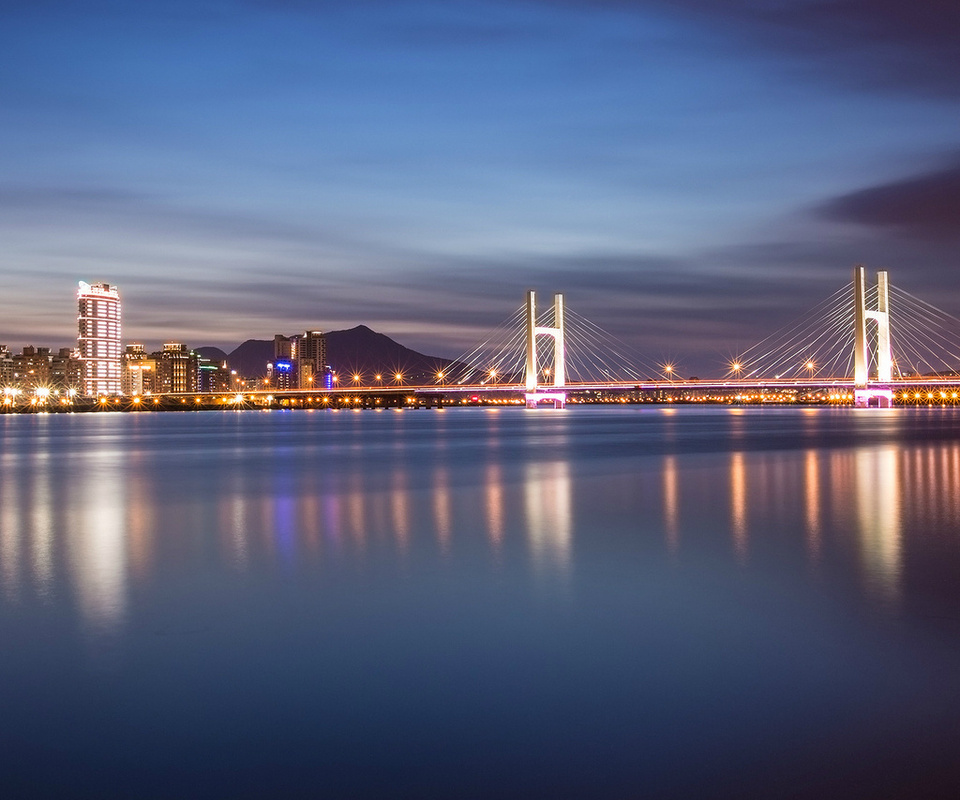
(690, 173)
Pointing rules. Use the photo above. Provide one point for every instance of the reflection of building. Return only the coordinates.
(139, 371)
(98, 337)
(176, 369)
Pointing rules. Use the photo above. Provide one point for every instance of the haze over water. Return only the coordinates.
(589, 602)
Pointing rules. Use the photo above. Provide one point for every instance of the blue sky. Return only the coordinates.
(688, 173)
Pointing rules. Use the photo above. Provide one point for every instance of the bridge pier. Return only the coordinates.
(873, 397)
(556, 399)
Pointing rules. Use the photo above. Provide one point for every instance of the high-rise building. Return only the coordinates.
(177, 369)
(98, 338)
(139, 371)
(6, 366)
(310, 358)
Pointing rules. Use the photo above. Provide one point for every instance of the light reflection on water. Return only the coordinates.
(543, 583)
(102, 521)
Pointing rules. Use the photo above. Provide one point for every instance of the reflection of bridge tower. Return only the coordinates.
(532, 372)
(880, 394)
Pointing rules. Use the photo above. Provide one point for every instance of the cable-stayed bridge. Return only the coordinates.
(864, 343)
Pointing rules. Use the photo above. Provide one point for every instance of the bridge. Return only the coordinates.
(864, 345)
(843, 350)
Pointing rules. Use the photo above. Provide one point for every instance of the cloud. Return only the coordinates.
(866, 44)
(925, 207)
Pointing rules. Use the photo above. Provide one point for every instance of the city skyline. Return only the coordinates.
(689, 173)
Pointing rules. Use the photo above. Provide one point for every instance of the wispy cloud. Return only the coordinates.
(925, 206)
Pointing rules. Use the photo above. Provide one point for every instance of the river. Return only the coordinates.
(594, 602)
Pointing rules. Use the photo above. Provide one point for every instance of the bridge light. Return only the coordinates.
(379, 377)
(356, 378)
(736, 366)
(810, 365)
(398, 376)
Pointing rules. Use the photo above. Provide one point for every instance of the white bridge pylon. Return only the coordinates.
(535, 392)
(879, 394)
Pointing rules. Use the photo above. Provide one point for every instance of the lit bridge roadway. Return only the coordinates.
(726, 386)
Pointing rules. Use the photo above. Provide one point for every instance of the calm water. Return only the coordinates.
(588, 603)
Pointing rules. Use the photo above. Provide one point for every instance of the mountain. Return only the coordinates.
(250, 359)
(358, 350)
(214, 354)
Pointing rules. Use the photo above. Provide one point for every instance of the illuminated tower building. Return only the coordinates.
(311, 358)
(139, 371)
(176, 369)
(98, 338)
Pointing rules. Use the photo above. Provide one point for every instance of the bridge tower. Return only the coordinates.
(865, 394)
(534, 392)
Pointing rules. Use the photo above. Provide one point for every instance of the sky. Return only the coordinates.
(691, 174)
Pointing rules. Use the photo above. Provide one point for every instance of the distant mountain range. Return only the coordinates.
(357, 350)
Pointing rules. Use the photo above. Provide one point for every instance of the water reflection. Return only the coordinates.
(811, 505)
(878, 515)
(97, 519)
(494, 498)
(41, 533)
(546, 491)
(97, 541)
(442, 514)
(671, 512)
(738, 505)
(9, 540)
